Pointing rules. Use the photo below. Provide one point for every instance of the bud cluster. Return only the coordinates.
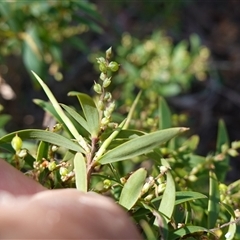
(105, 104)
(17, 143)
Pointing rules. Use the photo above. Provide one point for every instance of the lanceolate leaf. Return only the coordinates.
(222, 138)
(61, 113)
(139, 145)
(80, 172)
(165, 117)
(213, 202)
(131, 111)
(42, 135)
(231, 230)
(181, 232)
(77, 117)
(132, 188)
(90, 112)
(185, 196)
(168, 199)
(42, 151)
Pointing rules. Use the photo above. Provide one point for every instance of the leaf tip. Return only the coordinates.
(183, 129)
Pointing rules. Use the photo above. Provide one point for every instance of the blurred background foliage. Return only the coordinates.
(37, 30)
(187, 51)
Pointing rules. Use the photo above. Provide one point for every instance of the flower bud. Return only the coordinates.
(106, 82)
(107, 96)
(163, 169)
(101, 105)
(52, 166)
(236, 144)
(105, 121)
(149, 197)
(109, 53)
(147, 185)
(113, 66)
(123, 180)
(97, 88)
(54, 148)
(111, 106)
(161, 187)
(101, 60)
(103, 76)
(57, 127)
(63, 171)
(16, 143)
(22, 153)
(232, 152)
(192, 178)
(107, 183)
(102, 67)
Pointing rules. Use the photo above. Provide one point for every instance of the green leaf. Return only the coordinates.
(108, 141)
(76, 116)
(181, 232)
(165, 117)
(229, 208)
(42, 151)
(48, 107)
(148, 231)
(213, 202)
(222, 166)
(132, 189)
(80, 172)
(168, 199)
(131, 111)
(185, 196)
(139, 145)
(62, 115)
(42, 135)
(231, 230)
(90, 112)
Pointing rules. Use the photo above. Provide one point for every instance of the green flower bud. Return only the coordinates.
(102, 67)
(109, 53)
(232, 152)
(101, 105)
(107, 113)
(103, 76)
(236, 145)
(107, 96)
(113, 66)
(16, 143)
(106, 82)
(97, 88)
(63, 171)
(161, 187)
(111, 106)
(147, 185)
(57, 127)
(52, 166)
(192, 178)
(222, 188)
(224, 147)
(107, 183)
(149, 197)
(101, 60)
(105, 121)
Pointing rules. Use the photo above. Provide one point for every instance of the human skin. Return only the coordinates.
(29, 211)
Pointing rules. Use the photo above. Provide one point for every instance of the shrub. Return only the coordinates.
(169, 190)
